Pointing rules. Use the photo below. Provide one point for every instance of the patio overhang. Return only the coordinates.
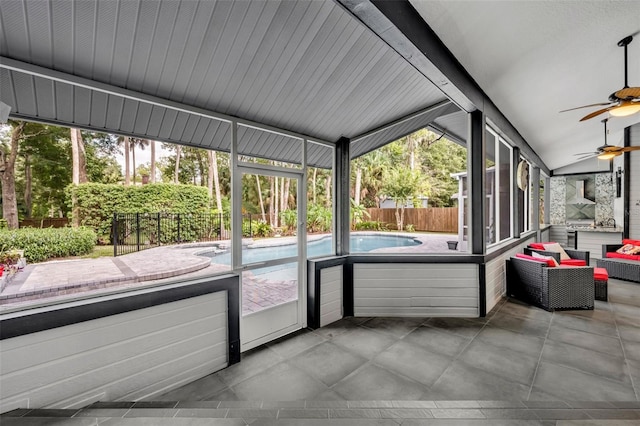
(181, 72)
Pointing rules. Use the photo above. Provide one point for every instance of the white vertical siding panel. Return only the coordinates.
(131, 355)
(415, 290)
(593, 241)
(330, 295)
(496, 275)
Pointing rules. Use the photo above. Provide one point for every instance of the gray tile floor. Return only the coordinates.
(517, 353)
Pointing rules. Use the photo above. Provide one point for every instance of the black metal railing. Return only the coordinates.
(132, 232)
(139, 231)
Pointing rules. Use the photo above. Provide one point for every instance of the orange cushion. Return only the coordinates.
(573, 262)
(549, 262)
(600, 274)
(623, 256)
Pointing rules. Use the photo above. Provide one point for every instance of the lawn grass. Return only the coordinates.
(99, 251)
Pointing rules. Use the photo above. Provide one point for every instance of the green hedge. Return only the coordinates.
(49, 243)
(98, 202)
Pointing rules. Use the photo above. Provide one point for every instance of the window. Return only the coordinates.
(499, 184)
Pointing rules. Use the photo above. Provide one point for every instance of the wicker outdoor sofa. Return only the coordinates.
(624, 269)
(550, 288)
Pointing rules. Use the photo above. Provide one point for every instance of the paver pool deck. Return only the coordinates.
(61, 278)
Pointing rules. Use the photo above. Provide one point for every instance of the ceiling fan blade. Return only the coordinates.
(587, 106)
(628, 92)
(630, 148)
(587, 153)
(595, 113)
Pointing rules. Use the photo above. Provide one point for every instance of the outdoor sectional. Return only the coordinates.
(624, 267)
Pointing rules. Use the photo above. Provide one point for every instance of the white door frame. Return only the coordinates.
(256, 326)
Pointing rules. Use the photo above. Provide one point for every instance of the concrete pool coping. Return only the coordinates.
(62, 278)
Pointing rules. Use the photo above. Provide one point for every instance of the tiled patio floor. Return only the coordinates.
(517, 353)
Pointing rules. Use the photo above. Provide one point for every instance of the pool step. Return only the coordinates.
(335, 413)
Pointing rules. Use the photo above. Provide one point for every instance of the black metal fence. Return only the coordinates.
(138, 231)
(133, 232)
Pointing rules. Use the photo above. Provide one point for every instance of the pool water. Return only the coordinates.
(321, 247)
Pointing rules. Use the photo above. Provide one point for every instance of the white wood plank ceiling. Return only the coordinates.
(306, 67)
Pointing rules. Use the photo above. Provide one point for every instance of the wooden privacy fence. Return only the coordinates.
(46, 222)
(433, 219)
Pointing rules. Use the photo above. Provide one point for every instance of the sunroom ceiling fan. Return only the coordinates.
(606, 151)
(623, 102)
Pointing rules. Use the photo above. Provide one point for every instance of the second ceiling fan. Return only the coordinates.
(606, 151)
(623, 102)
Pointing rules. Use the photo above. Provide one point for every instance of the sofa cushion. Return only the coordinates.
(549, 261)
(573, 262)
(611, 255)
(629, 241)
(537, 246)
(555, 247)
(600, 274)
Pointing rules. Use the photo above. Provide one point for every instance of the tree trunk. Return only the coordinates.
(264, 216)
(283, 202)
(287, 186)
(127, 166)
(276, 197)
(356, 191)
(133, 160)
(7, 169)
(79, 157)
(313, 184)
(412, 152)
(28, 180)
(176, 171)
(327, 186)
(216, 185)
(152, 172)
(271, 192)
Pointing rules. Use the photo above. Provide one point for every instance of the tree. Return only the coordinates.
(402, 184)
(152, 145)
(7, 170)
(79, 169)
(79, 157)
(125, 141)
(176, 171)
(137, 143)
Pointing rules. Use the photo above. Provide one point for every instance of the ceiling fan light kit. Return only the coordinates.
(623, 102)
(625, 109)
(607, 155)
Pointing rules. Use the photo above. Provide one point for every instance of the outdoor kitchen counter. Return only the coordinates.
(592, 239)
(598, 229)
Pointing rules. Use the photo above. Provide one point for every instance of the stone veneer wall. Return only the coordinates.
(558, 197)
(605, 196)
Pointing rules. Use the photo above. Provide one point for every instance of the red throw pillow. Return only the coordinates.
(537, 246)
(550, 262)
(633, 242)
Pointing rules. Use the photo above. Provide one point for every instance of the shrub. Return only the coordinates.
(319, 218)
(371, 225)
(43, 244)
(410, 228)
(98, 202)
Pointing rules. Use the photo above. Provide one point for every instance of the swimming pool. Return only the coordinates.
(323, 246)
